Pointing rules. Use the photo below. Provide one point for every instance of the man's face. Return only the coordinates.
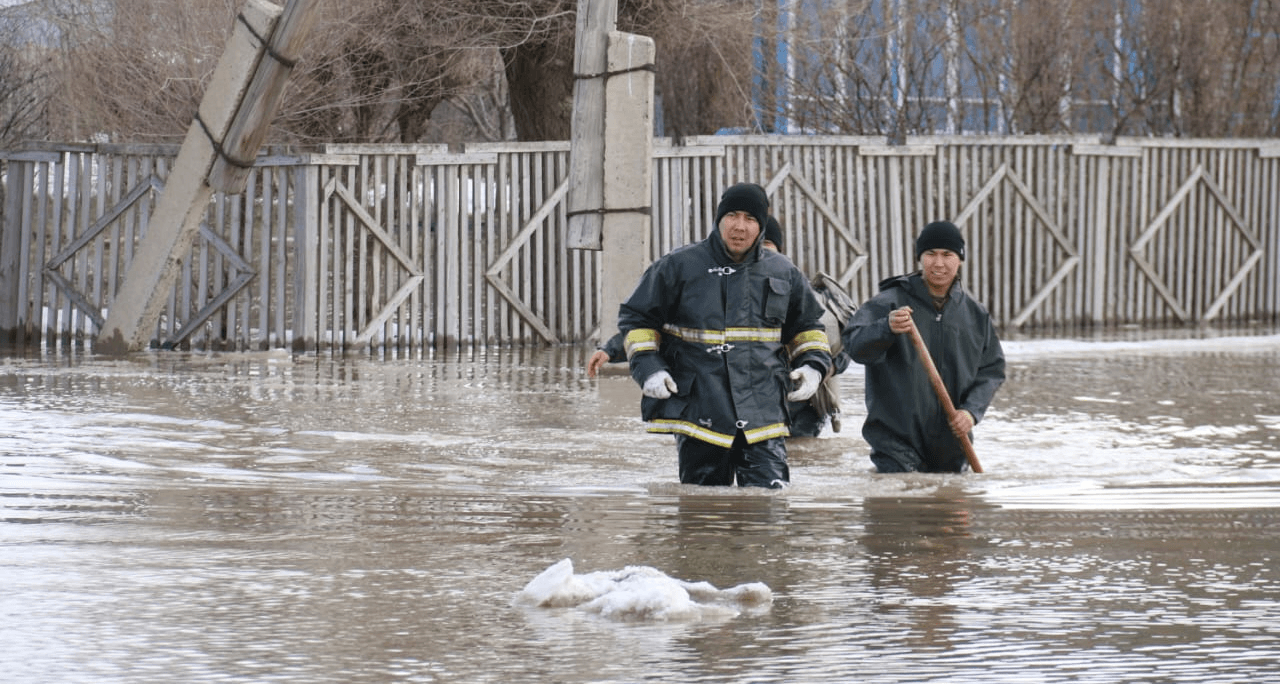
(739, 230)
(940, 267)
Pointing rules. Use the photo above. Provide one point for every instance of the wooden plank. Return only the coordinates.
(389, 308)
(345, 267)
(595, 20)
(1082, 150)
(452, 263)
(898, 151)
(37, 298)
(31, 156)
(686, 152)
(82, 329)
(12, 269)
(325, 287)
(456, 159)
(192, 324)
(61, 212)
(240, 309)
(281, 231)
(1100, 198)
(263, 322)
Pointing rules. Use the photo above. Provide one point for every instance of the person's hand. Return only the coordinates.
(961, 422)
(596, 362)
(807, 379)
(660, 385)
(900, 320)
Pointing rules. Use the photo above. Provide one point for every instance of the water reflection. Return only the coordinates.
(916, 555)
(259, 517)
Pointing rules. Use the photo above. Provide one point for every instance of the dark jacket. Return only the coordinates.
(905, 421)
(729, 335)
(615, 347)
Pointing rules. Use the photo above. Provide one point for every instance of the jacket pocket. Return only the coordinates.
(777, 299)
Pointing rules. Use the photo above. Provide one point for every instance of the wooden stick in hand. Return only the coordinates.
(941, 390)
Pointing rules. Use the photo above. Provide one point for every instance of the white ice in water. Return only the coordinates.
(638, 593)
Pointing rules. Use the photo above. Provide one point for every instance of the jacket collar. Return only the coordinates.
(914, 284)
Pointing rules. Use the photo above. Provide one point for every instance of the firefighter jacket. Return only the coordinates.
(729, 334)
(905, 420)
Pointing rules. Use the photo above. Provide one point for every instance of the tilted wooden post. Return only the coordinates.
(585, 200)
(221, 143)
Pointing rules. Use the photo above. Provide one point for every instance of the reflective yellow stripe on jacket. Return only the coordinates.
(642, 340)
(807, 341)
(700, 336)
(684, 427)
(647, 339)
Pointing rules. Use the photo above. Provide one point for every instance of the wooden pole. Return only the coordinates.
(941, 390)
(585, 201)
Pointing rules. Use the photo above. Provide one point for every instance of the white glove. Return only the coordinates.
(660, 385)
(807, 379)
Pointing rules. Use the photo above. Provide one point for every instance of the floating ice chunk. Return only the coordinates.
(638, 593)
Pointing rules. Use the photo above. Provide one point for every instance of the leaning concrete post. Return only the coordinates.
(229, 127)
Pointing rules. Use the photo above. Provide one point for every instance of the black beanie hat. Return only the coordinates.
(940, 235)
(747, 197)
(773, 233)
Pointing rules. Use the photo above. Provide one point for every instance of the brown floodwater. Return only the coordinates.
(184, 517)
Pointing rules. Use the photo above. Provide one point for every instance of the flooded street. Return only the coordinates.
(246, 517)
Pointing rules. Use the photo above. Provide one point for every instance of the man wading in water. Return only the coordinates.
(906, 425)
(720, 334)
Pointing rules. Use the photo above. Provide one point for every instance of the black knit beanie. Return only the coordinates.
(747, 197)
(940, 235)
(773, 233)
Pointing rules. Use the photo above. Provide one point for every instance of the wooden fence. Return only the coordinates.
(412, 247)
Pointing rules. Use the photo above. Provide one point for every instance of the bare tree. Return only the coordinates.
(124, 79)
(375, 70)
(394, 70)
(24, 75)
(704, 60)
(703, 64)
(1205, 68)
(1043, 40)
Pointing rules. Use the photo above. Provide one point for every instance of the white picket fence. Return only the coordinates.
(413, 247)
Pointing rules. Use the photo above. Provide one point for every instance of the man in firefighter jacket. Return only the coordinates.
(720, 334)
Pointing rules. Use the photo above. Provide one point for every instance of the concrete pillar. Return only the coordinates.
(628, 172)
